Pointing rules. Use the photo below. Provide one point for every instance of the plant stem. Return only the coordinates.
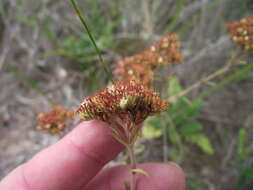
(179, 7)
(212, 76)
(133, 164)
(81, 17)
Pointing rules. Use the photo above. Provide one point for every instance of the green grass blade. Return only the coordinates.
(179, 8)
(81, 17)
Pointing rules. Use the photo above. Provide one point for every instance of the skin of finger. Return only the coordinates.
(71, 162)
(160, 177)
(14, 180)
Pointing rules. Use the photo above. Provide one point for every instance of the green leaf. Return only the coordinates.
(242, 150)
(46, 31)
(140, 171)
(202, 141)
(178, 11)
(152, 128)
(185, 112)
(180, 104)
(155, 122)
(151, 132)
(174, 86)
(174, 136)
(245, 177)
(242, 139)
(190, 128)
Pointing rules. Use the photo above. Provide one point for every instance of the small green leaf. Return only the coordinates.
(174, 86)
(190, 128)
(140, 171)
(151, 132)
(242, 138)
(245, 177)
(202, 141)
(242, 150)
(174, 136)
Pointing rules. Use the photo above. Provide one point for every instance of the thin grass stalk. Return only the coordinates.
(81, 17)
(179, 8)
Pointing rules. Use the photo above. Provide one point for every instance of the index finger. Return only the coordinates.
(68, 164)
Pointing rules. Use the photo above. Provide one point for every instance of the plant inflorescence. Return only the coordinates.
(141, 67)
(242, 32)
(54, 121)
(124, 105)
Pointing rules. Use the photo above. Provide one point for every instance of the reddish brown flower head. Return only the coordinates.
(167, 50)
(54, 121)
(137, 68)
(126, 100)
(242, 32)
(141, 67)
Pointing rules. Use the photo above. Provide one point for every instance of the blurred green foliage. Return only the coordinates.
(245, 167)
(78, 46)
(181, 121)
(242, 150)
(184, 114)
(103, 18)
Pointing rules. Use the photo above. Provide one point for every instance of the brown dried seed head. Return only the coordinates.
(124, 99)
(141, 67)
(54, 121)
(242, 32)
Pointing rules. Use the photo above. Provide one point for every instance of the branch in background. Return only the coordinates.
(148, 24)
(232, 77)
(227, 67)
(81, 17)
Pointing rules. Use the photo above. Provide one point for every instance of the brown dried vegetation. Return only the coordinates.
(141, 67)
(124, 106)
(54, 121)
(124, 98)
(242, 32)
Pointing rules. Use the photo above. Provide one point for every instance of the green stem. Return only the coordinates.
(232, 62)
(179, 7)
(81, 17)
(133, 164)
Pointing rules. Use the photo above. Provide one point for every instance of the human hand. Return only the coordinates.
(76, 161)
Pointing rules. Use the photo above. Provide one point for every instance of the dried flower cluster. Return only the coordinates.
(123, 98)
(54, 121)
(242, 32)
(124, 106)
(167, 50)
(141, 67)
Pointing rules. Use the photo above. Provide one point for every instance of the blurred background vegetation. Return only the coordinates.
(46, 57)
